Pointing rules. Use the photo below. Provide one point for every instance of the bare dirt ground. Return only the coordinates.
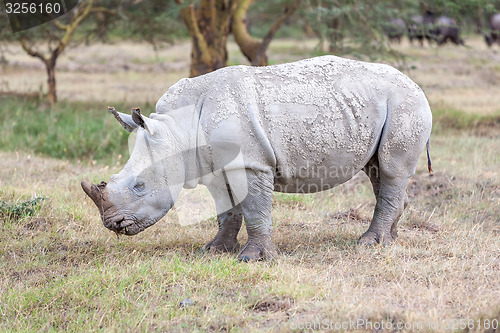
(61, 270)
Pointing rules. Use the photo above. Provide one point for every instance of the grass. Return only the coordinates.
(61, 270)
(74, 131)
(449, 118)
(19, 210)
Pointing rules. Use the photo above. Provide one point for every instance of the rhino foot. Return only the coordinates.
(258, 250)
(371, 238)
(218, 244)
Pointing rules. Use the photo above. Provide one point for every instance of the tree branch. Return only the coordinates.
(32, 52)
(70, 29)
(103, 10)
(248, 45)
(287, 12)
(60, 25)
(254, 49)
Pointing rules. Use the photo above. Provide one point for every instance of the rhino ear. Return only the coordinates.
(142, 121)
(124, 119)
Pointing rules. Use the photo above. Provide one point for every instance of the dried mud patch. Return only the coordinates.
(429, 185)
(349, 216)
(37, 276)
(273, 305)
(421, 222)
(38, 224)
(487, 188)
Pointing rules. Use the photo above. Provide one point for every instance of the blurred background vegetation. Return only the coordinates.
(218, 33)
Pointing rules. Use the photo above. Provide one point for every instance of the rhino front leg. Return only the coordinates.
(229, 222)
(257, 212)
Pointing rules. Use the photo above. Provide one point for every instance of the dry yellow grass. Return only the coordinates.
(445, 265)
(61, 270)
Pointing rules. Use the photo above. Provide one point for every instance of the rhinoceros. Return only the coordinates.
(494, 34)
(245, 132)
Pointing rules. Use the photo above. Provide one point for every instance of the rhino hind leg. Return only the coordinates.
(379, 228)
(257, 214)
(390, 170)
(391, 201)
(383, 228)
(226, 239)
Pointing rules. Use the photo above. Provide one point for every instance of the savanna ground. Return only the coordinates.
(61, 270)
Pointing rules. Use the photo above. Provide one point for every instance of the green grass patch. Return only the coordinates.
(18, 210)
(72, 131)
(293, 199)
(449, 118)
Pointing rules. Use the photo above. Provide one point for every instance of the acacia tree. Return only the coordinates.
(254, 49)
(47, 42)
(209, 23)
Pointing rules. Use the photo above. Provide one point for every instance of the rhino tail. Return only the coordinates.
(429, 164)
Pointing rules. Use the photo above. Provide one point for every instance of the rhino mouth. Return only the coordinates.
(124, 225)
(120, 225)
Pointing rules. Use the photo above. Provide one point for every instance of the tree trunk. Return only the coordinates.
(256, 50)
(249, 46)
(51, 81)
(87, 7)
(208, 26)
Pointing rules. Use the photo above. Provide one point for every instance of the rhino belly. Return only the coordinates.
(317, 149)
(307, 176)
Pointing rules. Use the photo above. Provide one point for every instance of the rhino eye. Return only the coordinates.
(139, 186)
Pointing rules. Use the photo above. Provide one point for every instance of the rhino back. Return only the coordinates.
(315, 122)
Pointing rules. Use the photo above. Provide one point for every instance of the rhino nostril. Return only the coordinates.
(117, 223)
(125, 224)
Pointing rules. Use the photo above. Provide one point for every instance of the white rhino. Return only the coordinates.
(245, 132)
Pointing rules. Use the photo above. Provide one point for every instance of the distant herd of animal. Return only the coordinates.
(436, 29)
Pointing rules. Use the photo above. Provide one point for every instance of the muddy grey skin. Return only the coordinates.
(494, 34)
(301, 127)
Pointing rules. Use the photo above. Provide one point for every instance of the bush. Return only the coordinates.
(17, 211)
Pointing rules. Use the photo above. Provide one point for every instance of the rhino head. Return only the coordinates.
(148, 185)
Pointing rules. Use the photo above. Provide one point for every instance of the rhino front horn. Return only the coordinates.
(95, 193)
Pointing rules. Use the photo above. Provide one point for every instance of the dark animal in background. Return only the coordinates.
(446, 29)
(395, 29)
(420, 28)
(494, 34)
